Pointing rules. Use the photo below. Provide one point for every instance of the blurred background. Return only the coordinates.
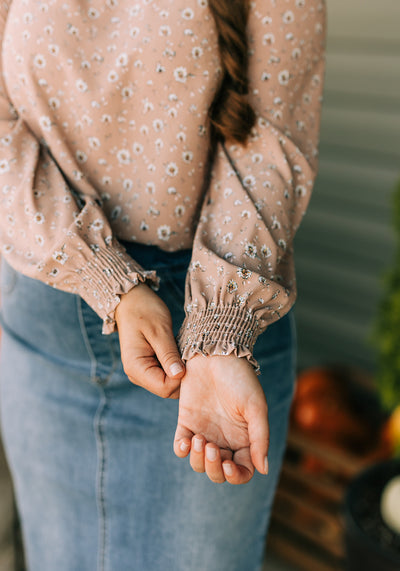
(338, 501)
(346, 238)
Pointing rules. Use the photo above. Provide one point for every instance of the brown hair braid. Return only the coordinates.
(231, 116)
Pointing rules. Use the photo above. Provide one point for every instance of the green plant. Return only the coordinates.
(386, 328)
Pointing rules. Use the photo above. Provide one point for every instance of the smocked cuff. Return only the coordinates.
(220, 331)
(110, 273)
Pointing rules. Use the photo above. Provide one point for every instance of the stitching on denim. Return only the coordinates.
(293, 331)
(100, 481)
(93, 362)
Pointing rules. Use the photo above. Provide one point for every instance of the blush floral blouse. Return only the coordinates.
(103, 138)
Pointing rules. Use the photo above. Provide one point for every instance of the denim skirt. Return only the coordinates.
(98, 487)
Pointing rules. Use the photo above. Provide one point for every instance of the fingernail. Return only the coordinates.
(175, 369)
(184, 446)
(266, 465)
(227, 469)
(198, 444)
(211, 453)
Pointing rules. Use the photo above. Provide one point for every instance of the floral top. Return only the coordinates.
(103, 138)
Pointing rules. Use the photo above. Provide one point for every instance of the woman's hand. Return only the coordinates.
(149, 353)
(223, 419)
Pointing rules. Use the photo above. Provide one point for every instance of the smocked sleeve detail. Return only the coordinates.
(242, 275)
(220, 331)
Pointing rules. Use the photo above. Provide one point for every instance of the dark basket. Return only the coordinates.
(370, 544)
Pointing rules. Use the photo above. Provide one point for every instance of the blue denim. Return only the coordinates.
(98, 486)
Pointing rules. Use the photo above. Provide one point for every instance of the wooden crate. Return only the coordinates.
(307, 528)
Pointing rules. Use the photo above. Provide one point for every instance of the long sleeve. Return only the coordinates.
(242, 275)
(52, 225)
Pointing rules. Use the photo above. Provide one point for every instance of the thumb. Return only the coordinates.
(168, 355)
(259, 436)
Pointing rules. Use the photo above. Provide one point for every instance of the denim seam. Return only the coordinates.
(293, 330)
(93, 361)
(100, 481)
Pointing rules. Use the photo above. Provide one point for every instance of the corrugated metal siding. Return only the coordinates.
(346, 240)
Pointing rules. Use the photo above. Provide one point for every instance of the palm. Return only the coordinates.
(222, 403)
(212, 407)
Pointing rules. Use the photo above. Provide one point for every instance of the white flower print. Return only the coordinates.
(81, 85)
(251, 250)
(6, 140)
(244, 273)
(81, 156)
(228, 237)
(171, 169)
(268, 39)
(249, 181)
(165, 31)
(150, 187)
(123, 156)
(39, 61)
(4, 166)
(94, 142)
(122, 60)
(53, 49)
(179, 210)
(187, 156)
(197, 52)
(39, 218)
(187, 14)
(164, 232)
(27, 17)
(265, 251)
(45, 122)
(127, 184)
(60, 257)
(288, 17)
(283, 77)
(180, 74)
(231, 286)
(113, 76)
(137, 148)
(93, 13)
(144, 226)
(158, 125)
(296, 53)
(126, 92)
(54, 102)
(300, 190)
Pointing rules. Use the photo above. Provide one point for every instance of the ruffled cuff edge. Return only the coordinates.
(220, 330)
(110, 273)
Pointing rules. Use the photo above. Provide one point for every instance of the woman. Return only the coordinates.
(145, 144)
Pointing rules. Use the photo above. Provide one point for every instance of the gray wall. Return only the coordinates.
(346, 240)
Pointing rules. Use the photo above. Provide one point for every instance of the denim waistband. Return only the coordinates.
(152, 257)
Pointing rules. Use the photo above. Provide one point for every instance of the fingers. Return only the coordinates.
(143, 368)
(167, 352)
(241, 469)
(259, 437)
(182, 441)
